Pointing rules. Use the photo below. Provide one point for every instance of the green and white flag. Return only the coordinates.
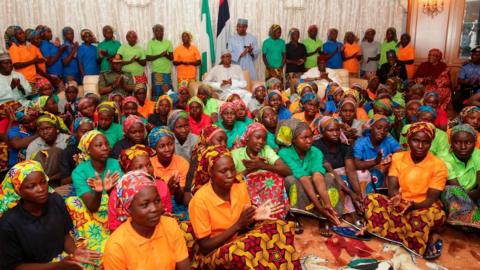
(206, 40)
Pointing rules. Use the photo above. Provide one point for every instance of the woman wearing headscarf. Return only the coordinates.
(296, 53)
(274, 100)
(35, 231)
(135, 191)
(145, 106)
(267, 116)
(19, 136)
(310, 110)
(135, 158)
(392, 68)
(160, 54)
(406, 54)
(216, 228)
(105, 124)
(185, 140)
(333, 50)
(259, 94)
(163, 107)
(301, 90)
(273, 53)
(462, 193)
(351, 52)
(212, 105)
(350, 124)
(229, 123)
(432, 99)
(389, 43)
(197, 118)
(93, 179)
(134, 131)
(373, 152)
(434, 75)
(69, 56)
(470, 115)
(370, 53)
(308, 189)
(186, 58)
(134, 59)
(107, 49)
(87, 54)
(412, 210)
(130, 107)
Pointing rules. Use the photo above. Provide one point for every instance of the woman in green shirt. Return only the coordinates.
(107, 49)
(267, 116)
(212, 105)
(462, 193)
(390, 43)
(134, 59)
(229, 123)
(309, 191)
(273, 53)
(112, 131)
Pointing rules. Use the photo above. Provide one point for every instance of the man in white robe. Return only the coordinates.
(244, 48)
(227, 78)
(321, 72)
(13, 85)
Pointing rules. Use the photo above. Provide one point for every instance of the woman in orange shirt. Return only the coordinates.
(221, 210)
(145, 106)
(186, 57)
(412, 211)
(406, 54)
(351, 52)
(147, 240)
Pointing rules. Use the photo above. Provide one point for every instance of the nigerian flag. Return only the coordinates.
(206, 40)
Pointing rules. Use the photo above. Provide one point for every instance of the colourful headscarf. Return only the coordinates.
(468, 110)
(239, 104)
(207, 88)
(288, 130)
(259, 116)
(431, 94)
(87, 31)
(29, 34)
(292, 30)
(157, 133)
(463, 128)
(130, 121)
(85, 142)
(256, 86)
(426, 127)
(195, 99)
(107, 106)
(139, 86)
(227, 105)
(42, 83)
(40, 103)
(190, 36)
(47, 117)
(10, 186)
(273, 93)
(204, 138)
(376, 118)
(9, 35)
(324, 121)
(253, 127)
(127, 155)
(385, 104)
(114, 94)
(272, 81)
(79, 121)
(174, 116)
(163, 97)
(309, 97)
(130, 99)
(348, 100)
(303, 86)
(428, 109)
(273, 28)
(127, 187)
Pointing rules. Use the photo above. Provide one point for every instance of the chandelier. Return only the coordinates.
(432, 7)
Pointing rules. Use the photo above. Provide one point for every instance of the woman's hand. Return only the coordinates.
(267, 210)
(173, 183)
(331, 215)
(68, 263)
(246, 218)
(83, 255)
(255, 163)
(110, 180)
(97, 185)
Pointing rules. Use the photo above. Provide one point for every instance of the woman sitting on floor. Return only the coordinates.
(350, 125)
(35, 231)
(146, 230)
(130, 107)
(197, 117)
(218, 229)
(470, 115)
(185, 140)
(212, 105)
(412, 210)
(274, 100)
(267, 116)
(229, 123)
(163, 107)
(106, 115)
(309, 104)
(134, 133)
(462, 193)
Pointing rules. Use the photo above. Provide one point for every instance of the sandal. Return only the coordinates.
(351, 232)
(324, 228)
(437, 246)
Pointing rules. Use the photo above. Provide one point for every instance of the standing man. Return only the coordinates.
(244, 48)
(160, 53)
(313, 46)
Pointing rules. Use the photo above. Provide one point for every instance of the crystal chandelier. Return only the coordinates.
(432, 7)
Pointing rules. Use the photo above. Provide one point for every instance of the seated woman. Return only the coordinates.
(350, 125)
(134, 133)
(259, 94)
(93, 179)
(267, 116)
(169, 167)
(135, 158)
(262, 167)
(163, 107)
(339, 162)
(178, 123)
(145, 106)
(197, 117)
(35, 225)
(139, 200)
(440, 143)
(21, 135)
(462, 193)
(183, 98)
(309, 104)
(212, 105)
(233, 128)
(130, 107)
(86, 108)
(470, 115)
(217, 228)
(412, 210)
(302, 89)
(243, 114)
(308, 189)
(274, 100)
(373, 153)
(432, 99)
(49, 104)
(112, 131)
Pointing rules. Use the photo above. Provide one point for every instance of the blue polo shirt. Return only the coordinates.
(87, 56)
(71, 69)
(364, 150)
(49, 49)
(16, 132)
(336, 60)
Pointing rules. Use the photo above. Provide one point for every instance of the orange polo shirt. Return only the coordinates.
(416, 179)
(147, 108)
(126, 249)
(352, 64)
(210, 215)
(404, 54)
(177, 165)
(25, 53)
(182, 53)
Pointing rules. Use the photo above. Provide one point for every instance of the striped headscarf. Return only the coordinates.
(9, 188)
(259, 116)
(273, 28)
(157, 133)
(384, 103)
(107, 106)
(227, 105)
(427, 109)
(130, 121)
(79, 121)
(85, 142)
(253, 127)
(272, 81)
(427, 128)
(9, 35)
(468, 110)
(174, 116)
(195, 99)
(272, 93)
(376, 118)
(206, 134)
(348, 100)
(127, 155)
(130, 99)
(303, 86)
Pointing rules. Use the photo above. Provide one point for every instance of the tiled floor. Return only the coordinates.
(456, 256)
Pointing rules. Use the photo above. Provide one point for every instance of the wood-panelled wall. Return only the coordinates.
(442, 31)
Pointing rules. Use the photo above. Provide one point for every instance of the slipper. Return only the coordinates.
(351, 232)
(438, 245)
(325, 230)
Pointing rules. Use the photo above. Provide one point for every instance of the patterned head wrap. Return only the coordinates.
(239, 104)
(273, 93)
(431, 94)
(79, 121)
(175, 97)
(9, 188)
(140, 86)
(259, 116)
(164, 97)
(253, 127)
(65, 30)
(272, 81)
(129, 99)
(42, 84)
(206, 134)
(384, 103)
(468, 110)
(463, 128)
(273, 28)
(127, 155)
(9, 35)
(47, 117)
(256, 86)
(174, 116)
(427, 109)
(29, 34)
(227, 105)
(205, 87)
(309, 97)
(127, 187)
(85, 142)
(288, 130)
(428, 128)
(85, 32)
(40, 103)
(348, 100)
(157, 133)
(115, 94)
(376, 118)
(303, 86)
(233, 97)
(130, 121)
(107, 106)
(195, 99)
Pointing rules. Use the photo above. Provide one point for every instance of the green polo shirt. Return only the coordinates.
(466, 175)
(111, 47)
(128, 52)
(384, 48)
(240, 154)
(311, 163)
(274, 50)
(312, 45)
(156, 47)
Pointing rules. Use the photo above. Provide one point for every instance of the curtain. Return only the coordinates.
(180, 15)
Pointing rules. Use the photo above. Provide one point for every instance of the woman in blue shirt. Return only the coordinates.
(334, 50)
(87, 54)
(69, 56)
